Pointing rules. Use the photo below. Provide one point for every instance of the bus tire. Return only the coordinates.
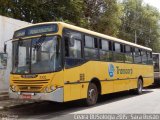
(92, 95)
(139, 86)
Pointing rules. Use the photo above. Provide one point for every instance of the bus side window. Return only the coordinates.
(66, 40)
(144, 56)
(137, 56)
(118, 52)
(73, 51)
(91, 47)
(105, 50)
(128, 54)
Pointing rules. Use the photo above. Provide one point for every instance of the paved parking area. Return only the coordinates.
(117, 103)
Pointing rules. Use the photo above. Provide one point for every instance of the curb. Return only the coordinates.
(1, 107)
(4, 96)
(15, 105)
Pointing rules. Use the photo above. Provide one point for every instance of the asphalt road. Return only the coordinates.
(123, 102)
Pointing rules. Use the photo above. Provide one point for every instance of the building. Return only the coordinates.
(7, 28)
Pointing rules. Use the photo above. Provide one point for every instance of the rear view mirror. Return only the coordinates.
(3, 60)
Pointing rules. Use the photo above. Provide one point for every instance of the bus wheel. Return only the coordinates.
(139, 87)
(92, 94)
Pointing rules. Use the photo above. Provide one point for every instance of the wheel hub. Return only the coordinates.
(92, 95)
(140, 86)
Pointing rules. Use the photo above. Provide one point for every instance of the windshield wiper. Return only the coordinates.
(39, 42)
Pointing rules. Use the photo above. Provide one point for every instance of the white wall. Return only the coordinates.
(7, 28)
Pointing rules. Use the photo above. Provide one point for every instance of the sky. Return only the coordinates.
(155, 3)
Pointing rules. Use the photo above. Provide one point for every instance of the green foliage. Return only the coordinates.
(140, 23)
(129, 19)
(42, 10)
(103, 16)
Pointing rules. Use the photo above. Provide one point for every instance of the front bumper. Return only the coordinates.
(56, 95)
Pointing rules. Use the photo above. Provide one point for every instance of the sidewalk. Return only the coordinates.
(4, 96)
(6, 102)
(11, 103)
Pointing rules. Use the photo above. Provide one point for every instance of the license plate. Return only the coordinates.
(24, 96)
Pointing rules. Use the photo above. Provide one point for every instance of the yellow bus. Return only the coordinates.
(55, 61)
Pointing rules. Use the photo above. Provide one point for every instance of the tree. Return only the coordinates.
(43, 10)
(98, 15)
(140, 23)
(103, 16)
(131, 20)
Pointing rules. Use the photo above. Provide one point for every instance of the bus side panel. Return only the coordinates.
(107, 87)
(147, 81)
(145, 71)
(135, 74)
(133, 83)
(67, 93)
(91, 70)
(121, 79)
(149, 76)
(94, 69)
(72, 78)
(121, 85)
(84, 89)
(99, 70)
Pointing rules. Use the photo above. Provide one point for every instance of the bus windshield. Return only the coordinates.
(37, 55)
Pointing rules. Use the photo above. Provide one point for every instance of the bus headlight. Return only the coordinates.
(49, 89)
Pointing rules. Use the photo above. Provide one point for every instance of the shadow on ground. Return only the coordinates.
(45, 109)
(154, 86)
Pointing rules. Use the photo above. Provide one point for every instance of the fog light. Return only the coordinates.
(47, 89)
(52, 88)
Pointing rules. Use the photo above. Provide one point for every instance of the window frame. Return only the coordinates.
(140, 55)
(91, 48)
(146, 61)
(82, 50)
(131, 53)
(111, 49)
(122, 51)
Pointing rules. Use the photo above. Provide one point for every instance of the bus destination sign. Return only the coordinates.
(36, 30)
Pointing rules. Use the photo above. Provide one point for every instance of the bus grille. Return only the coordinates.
(30, 85)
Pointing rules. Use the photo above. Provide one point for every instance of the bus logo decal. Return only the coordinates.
(111, 70)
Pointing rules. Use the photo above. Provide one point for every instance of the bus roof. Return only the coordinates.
(92, 33)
